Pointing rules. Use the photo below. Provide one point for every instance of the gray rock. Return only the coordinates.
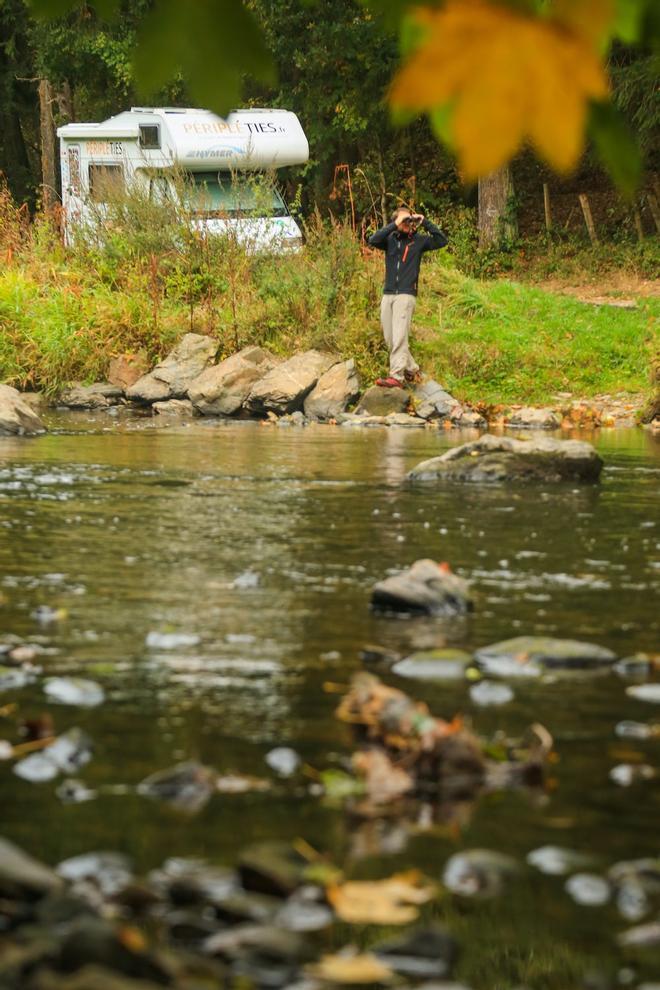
(645, 692)
(109, 871)
(478, 873)
(186, 786)
(173, 407)
(274, 868)
(378, 401)
(487, 693)
(534, 419)
(101, 395)
(434, 665)
(588, 889)
(641, 936)
(426, 953)
(20, 874)
(68, 753)
(74, 691)
(283, 760)
(171, 378)
(471, 420)
(493, 460)
(432, 402)
(424, 587)
(557, 860)
(285, 388)
(222, 389)
(526, 656)
(17, 418)
(334, 391)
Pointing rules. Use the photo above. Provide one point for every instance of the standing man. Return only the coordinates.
(404, 249)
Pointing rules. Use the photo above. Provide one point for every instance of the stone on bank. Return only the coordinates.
(17, 418)
(172, 377)
(223, 389)
(284, 389)
(335, 390)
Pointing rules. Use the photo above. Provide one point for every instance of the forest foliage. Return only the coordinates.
(336, 64)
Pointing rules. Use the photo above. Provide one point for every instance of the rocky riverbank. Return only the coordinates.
(311, 386)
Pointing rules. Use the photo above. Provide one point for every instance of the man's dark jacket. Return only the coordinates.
(403, 255)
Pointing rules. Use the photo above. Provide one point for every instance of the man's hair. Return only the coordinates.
(400, 209)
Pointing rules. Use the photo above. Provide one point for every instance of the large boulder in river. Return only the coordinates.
(285, 388)
(334, 391)
(379, 401)
(101, 395)
(16, 416)
(222, 389)
(170, 379)
(492, 460)
(426, 587)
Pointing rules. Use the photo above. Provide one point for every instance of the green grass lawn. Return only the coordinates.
(505, 342)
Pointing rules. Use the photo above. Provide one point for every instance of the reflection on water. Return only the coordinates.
(261, 545)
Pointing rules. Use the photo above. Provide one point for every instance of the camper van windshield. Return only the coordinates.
(217, 193)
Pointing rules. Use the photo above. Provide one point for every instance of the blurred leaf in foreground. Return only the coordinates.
(511, 77)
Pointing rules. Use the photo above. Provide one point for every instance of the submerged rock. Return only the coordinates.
(528, 656)
(68, 753)
(171, 378)
(588, 889)
(283, 760)
(334, 391)
(556, 860)
(493, 460)
(478, 873)
(487, 693)
(109, 871)
(645, 692)
(434, 665)
(222, 389)
(17, 418)
(186, 786)
(74, 691)
(285, 387)
(272, 868)
(425, 587)
(101, 395)
(432, 402)
(425, 954)
(378, 401)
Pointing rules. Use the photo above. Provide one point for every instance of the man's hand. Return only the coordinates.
(418, 218)
(403, 218)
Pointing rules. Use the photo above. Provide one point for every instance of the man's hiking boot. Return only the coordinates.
(413, 377)
(389, 382)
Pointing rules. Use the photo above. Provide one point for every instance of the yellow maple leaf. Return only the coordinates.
(510, 77)
(392, 901)
(351, 969)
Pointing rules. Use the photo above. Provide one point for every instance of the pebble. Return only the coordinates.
(74, 691)
(487, 693)
(588, 889)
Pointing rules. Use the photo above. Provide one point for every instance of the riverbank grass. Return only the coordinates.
(65, 313)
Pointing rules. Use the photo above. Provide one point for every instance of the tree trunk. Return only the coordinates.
(497, 221)
(47, 128)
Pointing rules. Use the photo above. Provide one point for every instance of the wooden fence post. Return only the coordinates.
(546, 207)
(588, 218)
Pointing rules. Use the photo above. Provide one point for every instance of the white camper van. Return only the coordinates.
(148, 145)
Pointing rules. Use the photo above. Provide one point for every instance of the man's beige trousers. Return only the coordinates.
(396, 313)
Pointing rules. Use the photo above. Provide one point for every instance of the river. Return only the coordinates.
(261, 544)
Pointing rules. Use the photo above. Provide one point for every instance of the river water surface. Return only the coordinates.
(261, 545)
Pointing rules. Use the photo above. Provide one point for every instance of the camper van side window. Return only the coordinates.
(149, 136)
(104, 181)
